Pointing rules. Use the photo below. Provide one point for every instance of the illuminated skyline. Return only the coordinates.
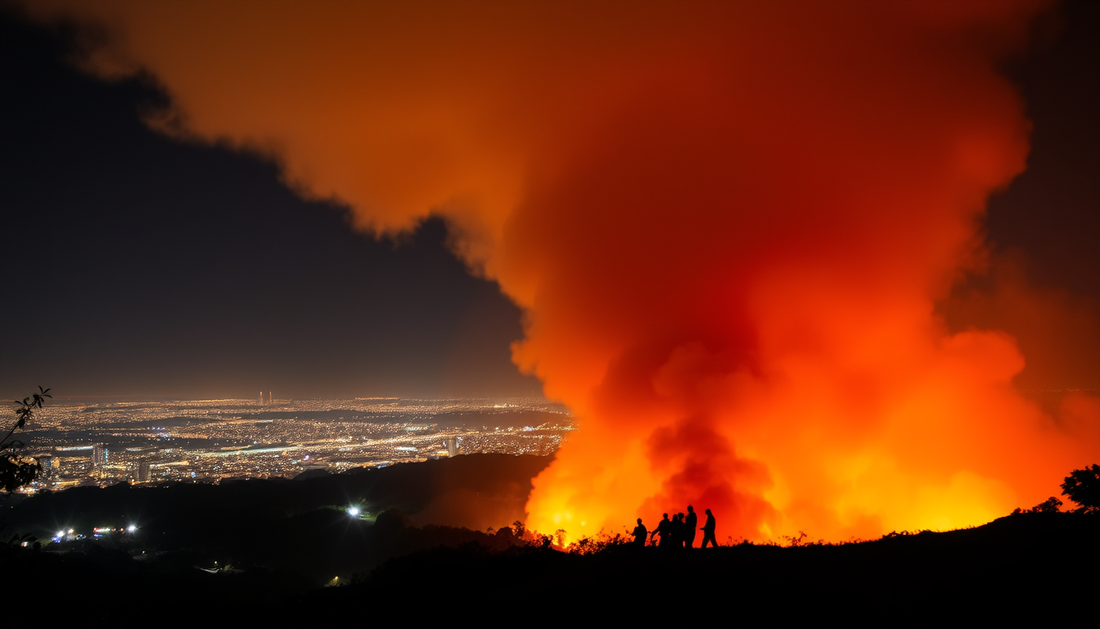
(209, 441)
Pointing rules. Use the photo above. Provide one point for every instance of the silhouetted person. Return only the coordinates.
(691, 522)
(640, 533)
(664, 531)
(678, 532)
(708, 531)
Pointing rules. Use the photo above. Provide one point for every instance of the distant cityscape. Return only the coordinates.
(214, 440)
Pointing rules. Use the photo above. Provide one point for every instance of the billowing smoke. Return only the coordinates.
(728, 224)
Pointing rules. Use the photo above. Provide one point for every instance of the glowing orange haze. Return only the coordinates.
(728, 224)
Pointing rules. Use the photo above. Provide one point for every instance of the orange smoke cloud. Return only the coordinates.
(728, 224)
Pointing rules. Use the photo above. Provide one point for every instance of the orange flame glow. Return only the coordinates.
(729, 225)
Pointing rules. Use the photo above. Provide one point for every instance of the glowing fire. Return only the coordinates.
(729, 225)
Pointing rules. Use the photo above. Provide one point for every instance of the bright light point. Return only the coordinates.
(131, 528)
(353, 512)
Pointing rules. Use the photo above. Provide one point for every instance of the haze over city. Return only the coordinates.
(819, 265)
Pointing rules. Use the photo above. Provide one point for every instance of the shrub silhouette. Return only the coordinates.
(1050, 505)
(15, 470)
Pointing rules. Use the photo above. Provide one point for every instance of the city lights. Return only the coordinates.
(214, 440)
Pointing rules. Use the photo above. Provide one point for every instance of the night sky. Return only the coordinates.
(140, 266)
(137, 265)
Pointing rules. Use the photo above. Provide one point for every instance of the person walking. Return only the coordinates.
(708, 531)
(664, 532)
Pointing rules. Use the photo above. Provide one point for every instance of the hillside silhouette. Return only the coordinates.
(267, 548)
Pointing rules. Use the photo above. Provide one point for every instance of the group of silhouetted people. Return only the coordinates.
(678, 532)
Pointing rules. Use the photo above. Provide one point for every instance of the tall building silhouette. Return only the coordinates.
(100, 454)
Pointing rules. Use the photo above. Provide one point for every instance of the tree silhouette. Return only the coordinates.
(1083, 487)
(15, 470)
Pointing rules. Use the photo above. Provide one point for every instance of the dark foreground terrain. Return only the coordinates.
(265, 550)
